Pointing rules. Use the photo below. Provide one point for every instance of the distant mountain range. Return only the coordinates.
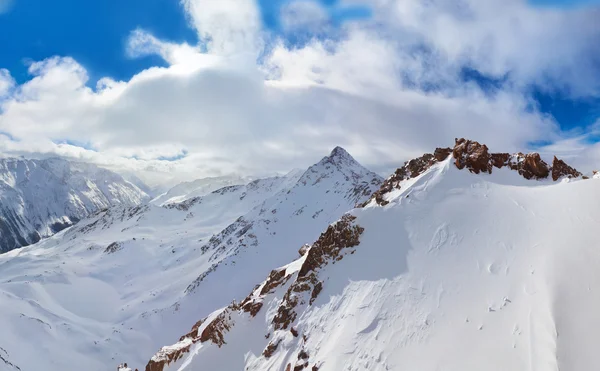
(462, 259)
(41, 197)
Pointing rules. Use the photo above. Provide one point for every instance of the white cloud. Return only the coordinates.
(6, 82)
(299, 14)
(362, 89)
(504, 37)
(226, 26)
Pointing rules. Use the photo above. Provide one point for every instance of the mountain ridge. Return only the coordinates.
(41, 197)
(113, 286)
(288, 335)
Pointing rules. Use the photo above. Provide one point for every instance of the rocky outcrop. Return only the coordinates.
(476, 158)
(472, 155)
(411, 169)
(331, 247)
(113, 248)
(327, 249)
(561, 169)
(203, 331)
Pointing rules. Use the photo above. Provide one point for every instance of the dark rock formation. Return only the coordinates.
(475, 157)
(411, 169)
(472, 155)
(328, 248)
(561, 169)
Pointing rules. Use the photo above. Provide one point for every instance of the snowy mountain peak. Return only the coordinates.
(339, 152)
(390, 288)
(41, 197)
(340, 157)
(340, 167)
(475, 157)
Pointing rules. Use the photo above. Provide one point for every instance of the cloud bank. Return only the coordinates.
(249, 100)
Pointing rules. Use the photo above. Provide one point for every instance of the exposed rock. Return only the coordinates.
(500, 160)
(561, 169)
(194, 331)
(530, 166)
(168, 355)
(303, 250)
(441, 154)
(476, 158)
(270, 349)
(328, 248)
(276, 278)
(214, 332)
(113, 247)
(411, 169)
(252, 307)
(472, 155)
(216, 328)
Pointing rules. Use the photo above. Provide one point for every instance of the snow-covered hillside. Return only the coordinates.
(41, 197)
(119, 285)
(197, 188)
(463, 260)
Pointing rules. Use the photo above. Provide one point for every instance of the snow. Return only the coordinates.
(196, 188)
(40, 197)
(116, 286)
(457, 272)
(470, 272)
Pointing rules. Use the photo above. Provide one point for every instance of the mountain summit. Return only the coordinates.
(125, 281)
(458, 244)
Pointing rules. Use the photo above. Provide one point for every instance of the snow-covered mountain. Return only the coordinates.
(122, 283)
(41, 197)
(197, 188)
(463, 260)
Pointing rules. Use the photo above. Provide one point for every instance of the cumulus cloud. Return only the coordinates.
(6, 82)
(387, 89)
(226, 27)
(299, 14)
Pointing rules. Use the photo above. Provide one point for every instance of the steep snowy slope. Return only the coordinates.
(40, 197)
(197, 188)
(117, 286)
(492, 267)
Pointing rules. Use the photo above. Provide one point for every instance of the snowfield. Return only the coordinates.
(459, 271)
(124, 282)
(446, 267)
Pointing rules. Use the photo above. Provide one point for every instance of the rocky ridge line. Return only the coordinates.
(302, 287)
(476, 158)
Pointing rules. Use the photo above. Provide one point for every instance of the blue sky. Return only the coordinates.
(95, 33)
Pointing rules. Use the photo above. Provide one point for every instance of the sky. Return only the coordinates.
(174, 90)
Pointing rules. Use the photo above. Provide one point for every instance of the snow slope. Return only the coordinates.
(445, 269)
(40, 197)
(122, 283)
(196, 188)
